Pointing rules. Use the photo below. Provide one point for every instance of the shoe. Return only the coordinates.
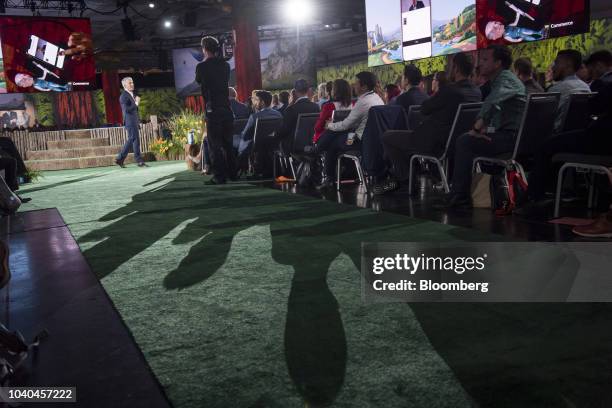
(283, 179)
(601, 228)
(456, 200)
(385, 187)
(5, 271)
(214, 182)
(142, 164)
(23, 199)
(120, 163)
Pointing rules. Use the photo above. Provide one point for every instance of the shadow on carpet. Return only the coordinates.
(241, 296)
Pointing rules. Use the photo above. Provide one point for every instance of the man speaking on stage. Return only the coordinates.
(213, 75)
(129, 107)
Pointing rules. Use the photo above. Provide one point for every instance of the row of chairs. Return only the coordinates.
(537, 124)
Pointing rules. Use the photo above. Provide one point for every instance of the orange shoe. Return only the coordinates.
(283, 179)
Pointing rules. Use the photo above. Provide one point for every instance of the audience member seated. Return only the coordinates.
(241, 111)
(497, 123)
(283, 99)
(482, 82)
(9, 164)
(301, 104)
(8, 149)
(346, 135)
(431, 135)
(262, 102)
(413, 94)
(275, 102)
(564, 68)
(324, 93)
(438, 81)
(599, 65)
(524, 70)
(594, 140)
(341, 101)
(392, 91)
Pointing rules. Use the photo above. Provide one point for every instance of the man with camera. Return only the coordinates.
(213, 76)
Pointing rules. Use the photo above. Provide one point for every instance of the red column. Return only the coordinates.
(112, 90)
(248, 63)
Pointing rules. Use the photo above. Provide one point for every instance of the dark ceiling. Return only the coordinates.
(338, 27)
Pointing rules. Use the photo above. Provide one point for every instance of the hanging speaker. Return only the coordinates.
(128, 29)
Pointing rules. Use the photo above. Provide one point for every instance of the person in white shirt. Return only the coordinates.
(346, 135)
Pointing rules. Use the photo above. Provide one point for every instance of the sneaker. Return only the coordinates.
(385, 187)
(600, 228)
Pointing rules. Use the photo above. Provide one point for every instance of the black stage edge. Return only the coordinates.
(88, 347)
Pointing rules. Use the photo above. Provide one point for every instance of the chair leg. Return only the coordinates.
(274, 171)
(338, 164)
(411, 175)
(558, 192)
(591, 189)
(292, 168)
(443, 177)
(360, 174)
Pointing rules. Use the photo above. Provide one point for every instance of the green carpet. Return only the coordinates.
(243, 296)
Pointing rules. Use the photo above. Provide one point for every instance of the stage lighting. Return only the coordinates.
(167, 23)
(151, 5)
(298, 11)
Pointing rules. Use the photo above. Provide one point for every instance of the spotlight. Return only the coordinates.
(167, 23)
(151, 5)
(298, 11)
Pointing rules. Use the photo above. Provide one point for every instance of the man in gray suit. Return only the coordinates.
(129, 107)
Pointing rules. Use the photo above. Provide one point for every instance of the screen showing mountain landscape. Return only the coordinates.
(284, 60)
(453, 26)
(384, 32)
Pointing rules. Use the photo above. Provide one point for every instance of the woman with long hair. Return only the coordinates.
(341, 100)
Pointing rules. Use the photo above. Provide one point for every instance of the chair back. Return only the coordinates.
(414, 117)
(304, 131)
(340, 115)
(239, 125)
(578, 116)
(463, 123)
(266, 128)
(537, 124)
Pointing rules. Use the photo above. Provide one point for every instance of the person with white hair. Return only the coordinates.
(129, 107)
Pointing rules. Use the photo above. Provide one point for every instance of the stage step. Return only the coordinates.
(77, 143)
(77, 134)
(72, 153)
(75, 163)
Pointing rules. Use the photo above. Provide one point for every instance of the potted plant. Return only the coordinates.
(181, 125)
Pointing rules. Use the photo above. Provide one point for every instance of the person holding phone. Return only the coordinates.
(129, 107)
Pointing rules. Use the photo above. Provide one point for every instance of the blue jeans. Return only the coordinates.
(132, 142)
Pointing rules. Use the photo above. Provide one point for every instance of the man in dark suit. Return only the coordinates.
(129, 107)
(301, 104)
(413, 95)
(241, 111)
(431, 135)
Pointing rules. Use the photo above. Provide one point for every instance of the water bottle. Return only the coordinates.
(191, 137)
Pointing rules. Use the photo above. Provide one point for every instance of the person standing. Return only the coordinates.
(129, 107)
(213, 76)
